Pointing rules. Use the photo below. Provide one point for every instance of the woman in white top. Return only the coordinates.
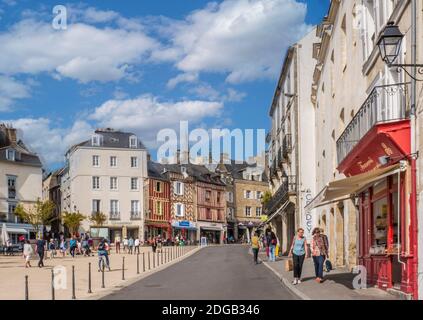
(27, 253)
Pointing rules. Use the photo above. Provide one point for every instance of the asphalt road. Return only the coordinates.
(213, 273)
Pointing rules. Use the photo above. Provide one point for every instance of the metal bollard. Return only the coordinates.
(138, 263)
(149, 260)
(102, 278)
(89, 277)
(73, 283)
(123, 268)
(154, 259)
(143, 262)
(52, 285)
(26, 288)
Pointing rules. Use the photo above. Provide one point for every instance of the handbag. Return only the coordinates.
(328, 265)
(289, 265)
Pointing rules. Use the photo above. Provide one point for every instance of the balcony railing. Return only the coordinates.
(135, 215)
(114, 215)
(384, 104)
(280, 159)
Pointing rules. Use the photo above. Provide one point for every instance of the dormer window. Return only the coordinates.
(133, 141)
(184, 170)
(10, 154)
(96, 140)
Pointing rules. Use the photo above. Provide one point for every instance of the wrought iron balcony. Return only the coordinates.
(280, 159)
(384, 104)
(135, 215)
(279, 198)
(114, 215)
(286, 145)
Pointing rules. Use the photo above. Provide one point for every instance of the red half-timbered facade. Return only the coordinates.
(158, 218)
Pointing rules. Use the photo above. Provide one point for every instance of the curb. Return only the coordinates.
(284, 281)
(118, 287)
(287, 283)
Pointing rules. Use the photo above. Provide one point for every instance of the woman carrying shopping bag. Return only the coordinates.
(298, 253)
(319, 251)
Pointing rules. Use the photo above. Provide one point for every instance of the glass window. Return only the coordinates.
(96, 183)
(258, 211)
(113, 161)
(134, 162)
(134, 183)
(96, 206)
(179, 210)
(158, 186)
(248, 211)
(113, 183)
(133, 142)
(135, 208)
(380, 223)
(10, 154)
(96, 162)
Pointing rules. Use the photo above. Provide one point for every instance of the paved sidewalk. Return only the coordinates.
(12, 274)
(337, 286)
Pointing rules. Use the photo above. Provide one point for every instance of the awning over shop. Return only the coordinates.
(210, 228)
(343, 188)
(277, 212)
(17, 230)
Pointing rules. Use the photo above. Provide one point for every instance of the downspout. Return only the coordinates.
(413, 196)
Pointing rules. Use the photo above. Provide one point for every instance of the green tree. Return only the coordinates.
(72, 220)
(266, 197)
(98, 219)
(37, 215)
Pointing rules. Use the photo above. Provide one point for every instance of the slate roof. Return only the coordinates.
(236, 169)
(198, 172)
(25, 156)
(111, 139)
(155, 171)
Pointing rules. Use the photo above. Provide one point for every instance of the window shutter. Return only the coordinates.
(182, 188)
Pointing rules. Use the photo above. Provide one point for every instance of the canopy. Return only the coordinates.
(279, 211)
(17, 230)
(342, 189)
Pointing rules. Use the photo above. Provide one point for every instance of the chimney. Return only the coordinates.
(10, 134)
(178, 156)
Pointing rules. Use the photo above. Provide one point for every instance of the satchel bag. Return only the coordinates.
(289, 265)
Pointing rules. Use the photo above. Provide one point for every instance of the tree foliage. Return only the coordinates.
(37, 215)
(98, 219)
(73, 220)
(266, 197)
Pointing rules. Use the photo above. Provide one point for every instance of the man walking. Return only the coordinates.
(137, 245)
(40, 251)
(130, 245)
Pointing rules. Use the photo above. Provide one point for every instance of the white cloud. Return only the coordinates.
(146, 115)
(180, 78)
(50, 142)
(243, 38)
(11, 90)
(82, 52)
(206, 91)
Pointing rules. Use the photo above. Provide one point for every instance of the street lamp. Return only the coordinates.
(389, 44)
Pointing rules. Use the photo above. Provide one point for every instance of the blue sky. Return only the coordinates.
(142, 66)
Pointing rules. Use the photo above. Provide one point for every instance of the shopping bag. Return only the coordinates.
(277, 251)
(289, 265)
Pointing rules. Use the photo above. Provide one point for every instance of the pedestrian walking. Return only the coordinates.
(52, 248)
(27, 253)
(125, 245)
(117, 244)
(255, 246)
(72, 246)
(137, 245)
(103, 251)
(319, 251)
(298, 252)
(63, 247)
(130, 245)
(272, 246)
(40, 248)
(153, 244)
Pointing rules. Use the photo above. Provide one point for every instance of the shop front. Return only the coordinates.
(213, 232)
(154, 229)
(185, 229)
(378, 180)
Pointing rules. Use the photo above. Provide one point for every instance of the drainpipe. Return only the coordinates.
(413, 195)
